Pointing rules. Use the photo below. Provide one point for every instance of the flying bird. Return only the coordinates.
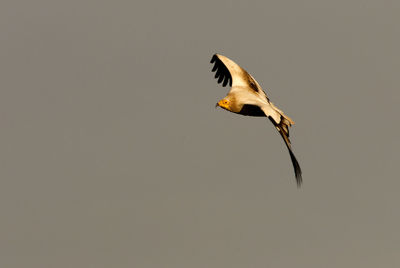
(246, 97)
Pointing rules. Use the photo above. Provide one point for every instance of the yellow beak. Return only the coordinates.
(223, 104)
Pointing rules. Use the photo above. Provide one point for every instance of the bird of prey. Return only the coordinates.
(246, 97)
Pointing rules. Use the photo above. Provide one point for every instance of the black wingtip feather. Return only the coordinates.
(225, 81)
(296, 166)
(297, 169)
(222, 72)
(213, 59)
(217, 73)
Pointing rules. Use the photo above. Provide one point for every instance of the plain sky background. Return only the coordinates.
(113, 155)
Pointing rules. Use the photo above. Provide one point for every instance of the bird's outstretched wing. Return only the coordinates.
(282, 123)
(222, 71)
(284, 131)
(227, 71)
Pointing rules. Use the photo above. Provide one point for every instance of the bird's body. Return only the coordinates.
(246, 97)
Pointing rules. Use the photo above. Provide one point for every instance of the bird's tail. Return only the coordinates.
(283, 130)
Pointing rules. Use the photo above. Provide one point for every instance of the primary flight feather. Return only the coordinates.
(246, 97)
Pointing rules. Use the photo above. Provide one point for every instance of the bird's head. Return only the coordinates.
(224, 103)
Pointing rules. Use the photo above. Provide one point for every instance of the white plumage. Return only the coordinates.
(246, 97)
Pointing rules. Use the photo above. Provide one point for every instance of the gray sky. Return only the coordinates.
(112, 154)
